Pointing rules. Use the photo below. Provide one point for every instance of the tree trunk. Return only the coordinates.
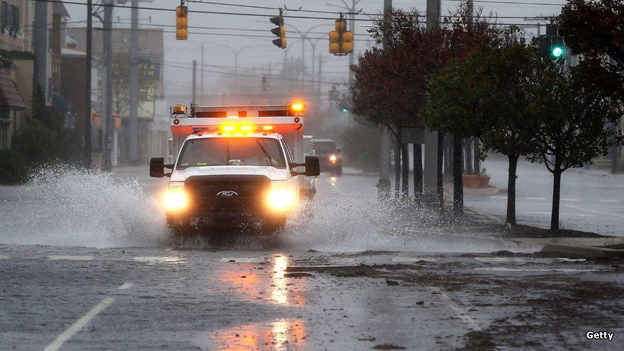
(554, 219)
(397, 165)
(458, 186)
(405, 170)
(467, 155)
(477, 161)
(511, 190)
(440, 173)
(418, 174)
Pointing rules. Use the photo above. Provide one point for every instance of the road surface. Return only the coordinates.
(82, 273)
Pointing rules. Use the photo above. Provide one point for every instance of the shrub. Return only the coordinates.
(13, 168)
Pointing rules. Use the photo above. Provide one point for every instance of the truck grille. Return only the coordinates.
(227, 193)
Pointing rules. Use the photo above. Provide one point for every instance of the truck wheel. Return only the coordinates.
(339, 171)
(180, 227)
(271, 225)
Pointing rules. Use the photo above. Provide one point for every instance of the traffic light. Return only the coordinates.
(341, 40)
(551, 44)
(280, 31)
(181, 23)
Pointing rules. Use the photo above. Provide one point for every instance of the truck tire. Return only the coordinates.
(271, 225)
(180, 227)
(339, 171)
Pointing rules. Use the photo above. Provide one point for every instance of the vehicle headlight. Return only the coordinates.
(333, 158)
(175, 199)
(280, 198)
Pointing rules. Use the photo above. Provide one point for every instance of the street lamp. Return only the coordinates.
(234, 51)
(304, 36)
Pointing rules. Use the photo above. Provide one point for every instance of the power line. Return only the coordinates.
(270, 8)
(513, 2)
(200, 11)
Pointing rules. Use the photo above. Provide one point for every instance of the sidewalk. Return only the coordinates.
(591, 201)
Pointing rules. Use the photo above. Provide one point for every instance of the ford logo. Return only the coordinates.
(227, 193)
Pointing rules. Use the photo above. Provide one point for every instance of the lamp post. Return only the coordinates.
(304, 36)
(234, 51)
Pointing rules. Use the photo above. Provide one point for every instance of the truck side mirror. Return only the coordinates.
(157, 167)
(312, 166)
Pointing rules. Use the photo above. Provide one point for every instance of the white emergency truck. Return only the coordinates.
(236, 164)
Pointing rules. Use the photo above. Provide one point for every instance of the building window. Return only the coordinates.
(5, 14)
(16, 19)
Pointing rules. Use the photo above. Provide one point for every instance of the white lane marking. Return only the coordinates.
(412, 259)
(562, 214)
(571, 200)
(4, 257)
(569, 259)
(241, 260)
(610, 201)
(459, 311)
(159, 259)
(590, 211)
(498, 197)
(505, 269)
(125, 286)
(70, 258)
(536, 198)
(500, 259)
(67, 334)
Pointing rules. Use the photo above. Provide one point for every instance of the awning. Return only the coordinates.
(9, 96)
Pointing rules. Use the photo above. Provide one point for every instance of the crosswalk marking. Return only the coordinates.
(535, 198)
(4, 257)
(69, 258)
(610, 201)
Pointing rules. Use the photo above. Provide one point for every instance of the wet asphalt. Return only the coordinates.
(282, 294)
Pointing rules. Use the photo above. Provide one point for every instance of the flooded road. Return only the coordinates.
(347, 274)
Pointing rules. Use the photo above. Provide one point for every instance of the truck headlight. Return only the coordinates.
(280, 198)
(333, 158)
(175, 199)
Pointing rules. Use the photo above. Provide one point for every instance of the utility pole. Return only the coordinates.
(383, 185)
(431, 137)
(194, 100)
(89, 59)
(134, 85)
(41, 44)
(108, 127)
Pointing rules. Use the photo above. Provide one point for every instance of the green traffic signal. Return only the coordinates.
(344, 110)
(557, 51)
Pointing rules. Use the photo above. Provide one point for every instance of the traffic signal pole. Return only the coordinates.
(431, 136)
(134, 86)
(108, 127)
(383, 185)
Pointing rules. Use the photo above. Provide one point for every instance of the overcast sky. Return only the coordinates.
(262, 51)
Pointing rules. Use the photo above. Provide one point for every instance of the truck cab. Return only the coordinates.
(236, 164)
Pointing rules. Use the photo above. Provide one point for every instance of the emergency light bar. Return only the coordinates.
(297, 109)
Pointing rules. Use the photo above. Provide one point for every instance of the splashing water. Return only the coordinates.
(78, 208)
(358, 221)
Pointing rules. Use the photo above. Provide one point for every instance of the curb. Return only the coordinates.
(582, 251)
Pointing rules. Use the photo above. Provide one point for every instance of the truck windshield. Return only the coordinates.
(324, 148)
(232, 152)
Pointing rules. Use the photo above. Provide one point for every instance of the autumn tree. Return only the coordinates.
(595, 29)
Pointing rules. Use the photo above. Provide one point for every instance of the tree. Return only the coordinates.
(505, 101)
(390, 78)
(596, 30)
(572, 115)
